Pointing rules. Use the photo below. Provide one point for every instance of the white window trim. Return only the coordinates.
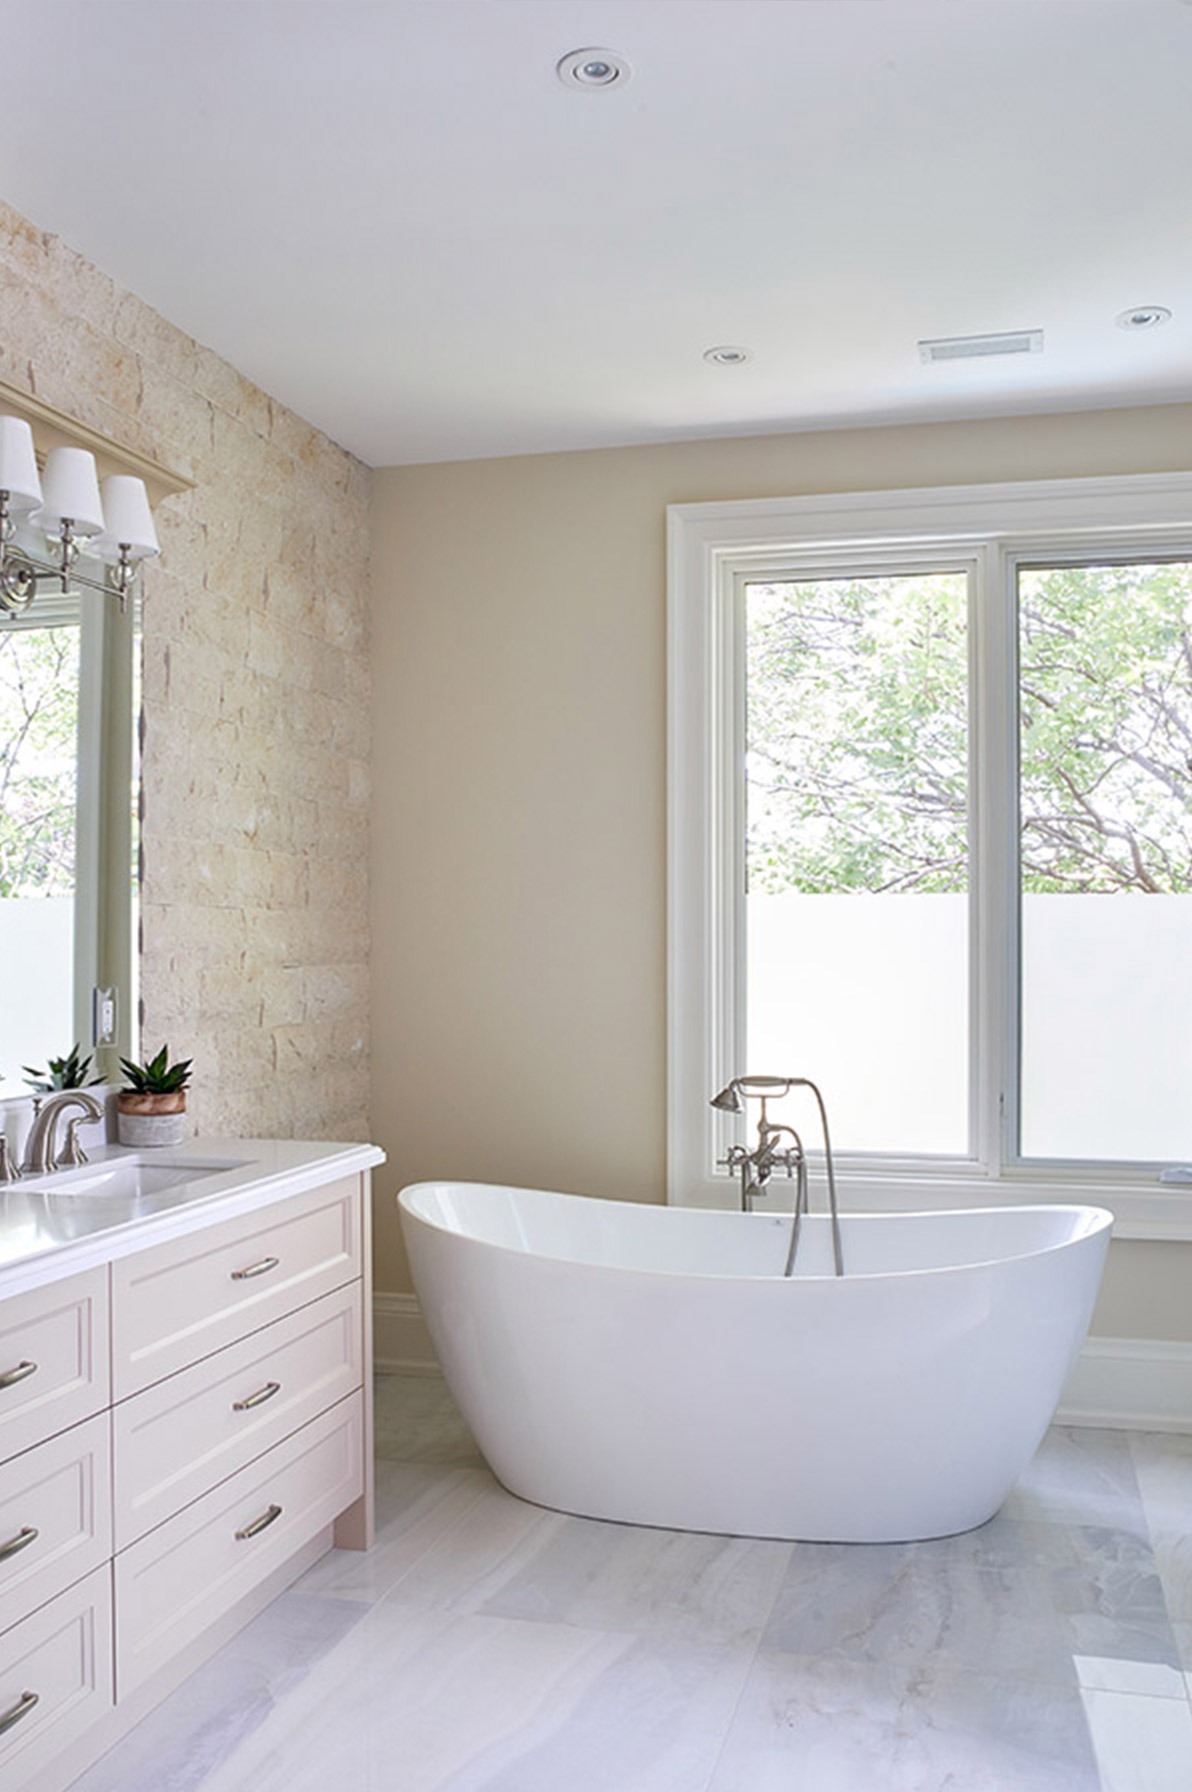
(710, 547)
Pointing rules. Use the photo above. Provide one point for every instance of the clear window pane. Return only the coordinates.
(1105, 670)
(857, 851)
(39, 709)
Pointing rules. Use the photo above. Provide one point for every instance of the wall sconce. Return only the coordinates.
(65, 508)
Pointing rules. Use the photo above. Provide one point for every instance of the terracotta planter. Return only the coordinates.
(151, 1119)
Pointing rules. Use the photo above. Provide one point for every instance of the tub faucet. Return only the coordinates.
(757, 1166)
(41, 1153)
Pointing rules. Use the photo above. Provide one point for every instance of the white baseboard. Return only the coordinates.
(1124, 1384)
(401, 1342)
(1130, 1384)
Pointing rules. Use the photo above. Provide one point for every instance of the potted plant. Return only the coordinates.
(151, 1109)
(69, 1072)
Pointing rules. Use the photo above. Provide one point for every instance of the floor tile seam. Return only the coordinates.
(946, 1664)
(1026, 1526)
(456, 1601)
(947, 1660)
(733, 1716)
(432, 1543)
(1165, 1595)
(472, 1461)
(546, 1523)
(940, 1661)
(1154, 1538)
(441, 1477)
(1022, 1572)
(663, 1637)
(1118, 1692)
(747, 1636)
(1130, 1692)
(781, 1582)
(912, 1668)
(365, 1601)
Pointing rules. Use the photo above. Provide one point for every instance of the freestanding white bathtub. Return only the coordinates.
(652, 1364)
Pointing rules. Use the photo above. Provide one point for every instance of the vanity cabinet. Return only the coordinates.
(174, 1582)
(55, 1514)
(55, 1366)
(55, 1680)
(181, 1430)
(179, 1437)
(190, 1296)
(55, 1521)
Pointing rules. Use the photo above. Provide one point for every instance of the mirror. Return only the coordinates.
(69, 845)
(70, 701)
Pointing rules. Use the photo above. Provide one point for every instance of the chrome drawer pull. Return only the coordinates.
(259, 1524)
(22, 1708)
(256, 1269)
(258, 1399)
(10, 1377)
(25, 1536)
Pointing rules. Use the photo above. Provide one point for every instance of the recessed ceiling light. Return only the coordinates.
(1143, 317)
(593, 68)
(727, 356)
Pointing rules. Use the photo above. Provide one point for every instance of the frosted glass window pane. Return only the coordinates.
(1105, 656)
(857, 852)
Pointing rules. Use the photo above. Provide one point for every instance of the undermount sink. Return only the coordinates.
(132, 1177)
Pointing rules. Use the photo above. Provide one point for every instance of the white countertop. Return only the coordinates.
(53, 1226)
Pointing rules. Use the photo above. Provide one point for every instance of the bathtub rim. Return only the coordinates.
(1101, 1221)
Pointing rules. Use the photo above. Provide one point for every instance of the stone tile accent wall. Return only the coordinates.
(256, 698)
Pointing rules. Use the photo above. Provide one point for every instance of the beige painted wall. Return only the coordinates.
(519, 775)
(256, 701)
(519, 865)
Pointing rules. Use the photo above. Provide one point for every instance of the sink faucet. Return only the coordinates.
(41, 1153)
(757, 1166)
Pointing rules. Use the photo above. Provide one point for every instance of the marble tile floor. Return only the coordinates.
(486, 1645)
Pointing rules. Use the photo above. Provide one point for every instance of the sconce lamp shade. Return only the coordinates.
(66, 508)
(127, 519)
(71, 491)
(18, 466)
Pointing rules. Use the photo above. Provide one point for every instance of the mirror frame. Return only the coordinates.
(107, 936)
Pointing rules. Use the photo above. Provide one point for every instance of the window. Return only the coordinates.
(930, 828)
(1105, 858)
(856, 847)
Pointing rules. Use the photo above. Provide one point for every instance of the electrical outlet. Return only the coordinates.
(104, 1017)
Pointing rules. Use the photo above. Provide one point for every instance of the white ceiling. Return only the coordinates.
(391, 214)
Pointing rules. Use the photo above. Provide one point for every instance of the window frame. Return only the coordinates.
(897, 561)
(713, 550)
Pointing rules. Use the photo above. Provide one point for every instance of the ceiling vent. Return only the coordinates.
(965, 348)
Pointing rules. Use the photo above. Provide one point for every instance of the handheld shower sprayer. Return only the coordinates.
(761, 1160)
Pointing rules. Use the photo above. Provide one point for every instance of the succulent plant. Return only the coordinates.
(157, 1076)
(69, 1072)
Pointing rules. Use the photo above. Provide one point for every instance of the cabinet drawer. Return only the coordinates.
(53, 1359)
(186, 1298)
(55, 1517)
(55, 1678)
(178, 1438)
(173, 1583)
